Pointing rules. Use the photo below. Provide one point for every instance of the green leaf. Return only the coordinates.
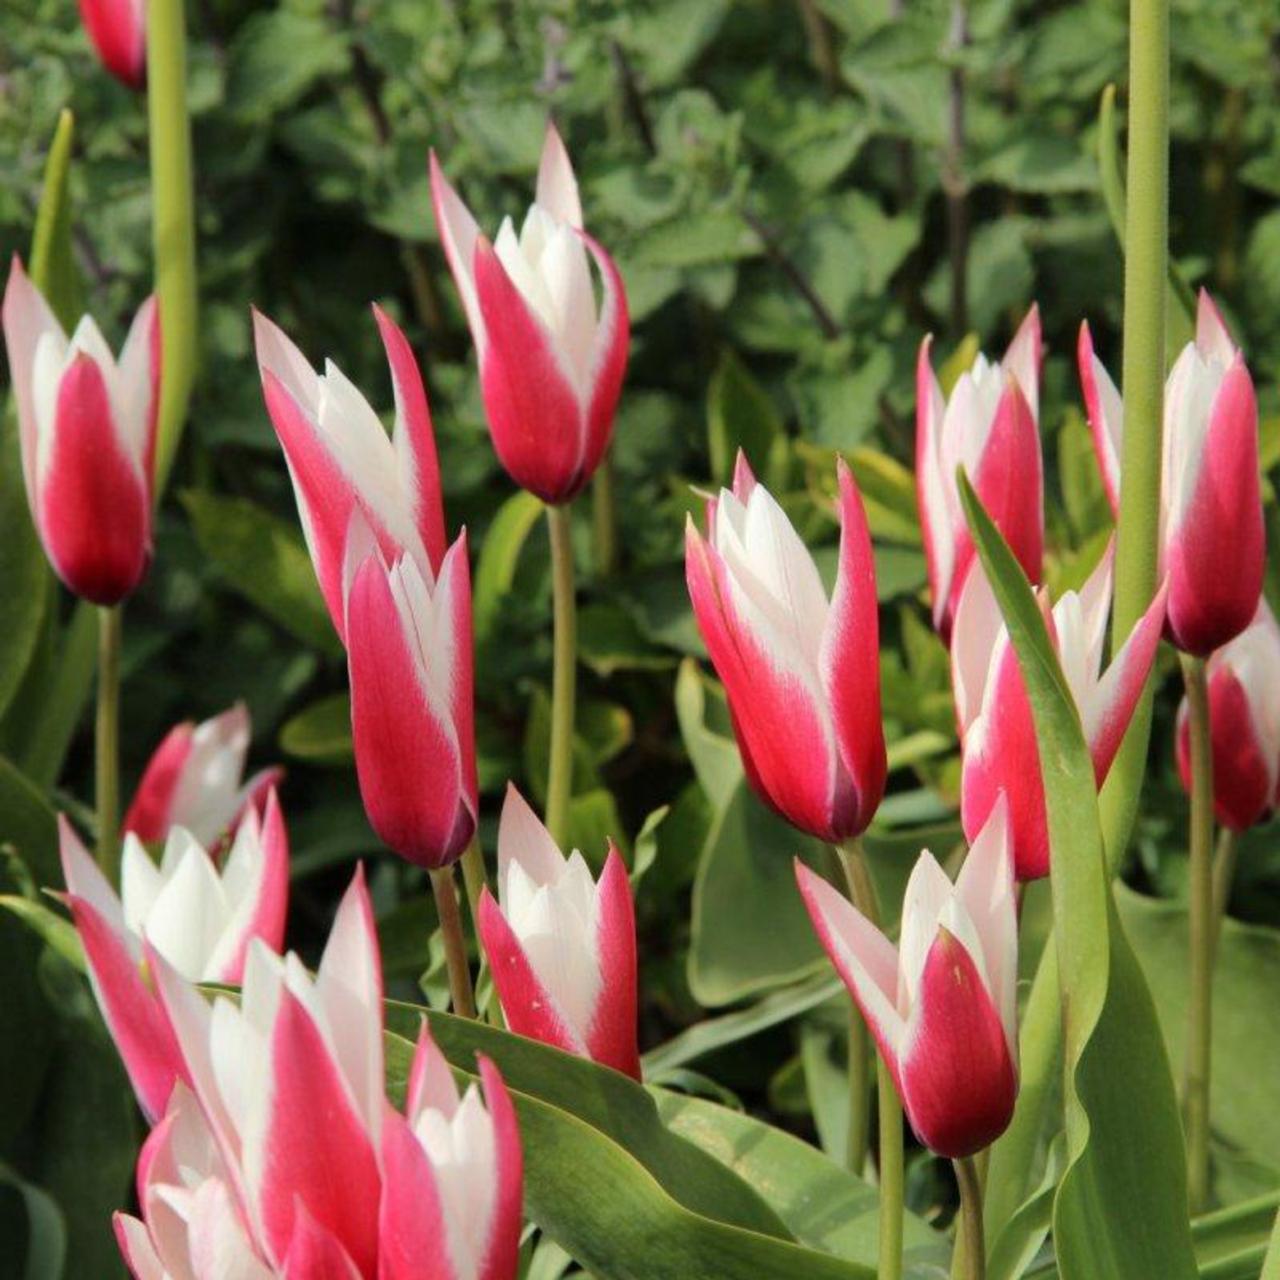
(32, 1227)
(740, 415)
(54, 930)
(321, 733)
(499, 555)
(263, 559)
(1121, 1205)
(29, 824)
(703, 715)
(611, 640)
(53, 264)
(276, 57)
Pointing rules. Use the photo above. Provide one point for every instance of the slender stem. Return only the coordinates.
(1224, 872)
(473, 879)
(173, 228)
(560, 776)
(971, 1255)
(455, 945)
(107, 743)
(862, 893)
(1202, 933)
(604, 518)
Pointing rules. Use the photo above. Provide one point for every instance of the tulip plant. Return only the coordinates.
(939, 814)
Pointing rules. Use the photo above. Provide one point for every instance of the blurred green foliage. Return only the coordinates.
(773, 179)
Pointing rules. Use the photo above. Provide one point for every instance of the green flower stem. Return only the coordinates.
(560, 775)
(971, 1257)
(604, 518)
(173, 220)
(455, 945)
(1224, 873)
(1203, 930)
(473, 878)
(862, 893)
(107, 744)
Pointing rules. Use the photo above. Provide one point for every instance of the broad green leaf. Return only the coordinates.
(263, 559)
(56, 931)
(703, 715)
(499, 555)
(53, 264)
(610, 640)
(321, 733)
(1121, 1205)
(29, 825)
(823, 1205)
(276, 57)
(740, 415)
(32, 1228)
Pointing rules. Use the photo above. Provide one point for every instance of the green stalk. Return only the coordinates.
(455, 944)
(862, 892)
(173, 220)
(107, 744)
(560, 775)
(1224, 872)
(971, 1257)
(604, 518)
(1202, 927)
(473, 879)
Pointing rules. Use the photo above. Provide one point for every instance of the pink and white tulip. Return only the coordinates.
(1244, 723)
(942, 1006)
(562, 946)
(452, 1177)
(341, 460)
(200, 919)
(801, 672)
(86, 427)
(989, 425)
(118, 30)
(1210, 487)
(412, 716)
(193, 780)
(551, 360)
(994, 713)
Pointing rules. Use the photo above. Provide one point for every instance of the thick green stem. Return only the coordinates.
(455, 945)
(604, 518)
(1224, 872)
(971, 1256)
(173, 220)
(560, 775)
(1202, 927)
(107, 744)
(862, 893)
(473, 878)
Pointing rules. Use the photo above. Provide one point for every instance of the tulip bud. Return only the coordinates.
(437, 1219)
(86, 427)
(1244, 723)
(193, 780)
(551, 362)
(942, 1006)
(562, 947)
(410, 666)
(1210, 488)
(990, 426)
(200, 919)
(1001, 756)
(118, 30)
(341, 460)
(801, 673)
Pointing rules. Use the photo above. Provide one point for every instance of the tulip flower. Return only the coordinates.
(989, 425)
(942, 1006)
(409, 659)
(342, 461)
(193, 780)
(452, 1177)
(561, 946)
(1244, 721)
(551, 360)
(994, 712)
(86, 427)
(118, 30)
(1210, 494)
(200, 919)
(801, 672)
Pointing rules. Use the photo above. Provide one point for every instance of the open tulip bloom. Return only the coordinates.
(1210, 490)
(118, 30)
(989, 425)
(997, 731)
(193, 780)
(1244, 721)
(86, 427)
(561, 946)
(341, 460)
(551, 360)
(294, 1132)
(801, 672)
(942, 1005)
(199, 918)
(410, 666)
